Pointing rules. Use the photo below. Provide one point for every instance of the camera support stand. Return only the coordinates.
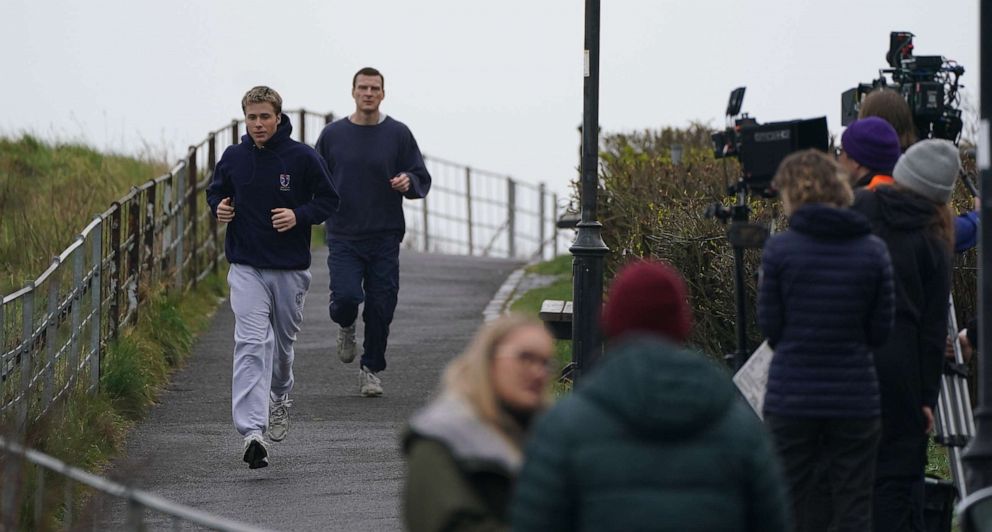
(954, 420)
(742, 235)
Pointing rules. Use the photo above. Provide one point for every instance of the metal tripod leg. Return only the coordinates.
(955, 423)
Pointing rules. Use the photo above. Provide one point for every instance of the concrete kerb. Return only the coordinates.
(516, 285)
(499, 304)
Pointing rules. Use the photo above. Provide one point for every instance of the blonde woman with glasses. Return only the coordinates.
(464, 449)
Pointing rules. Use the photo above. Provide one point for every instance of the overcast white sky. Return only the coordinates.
(496, 85)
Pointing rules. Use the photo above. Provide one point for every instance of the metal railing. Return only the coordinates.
(54, 331)
(477, 212)
(139, 502)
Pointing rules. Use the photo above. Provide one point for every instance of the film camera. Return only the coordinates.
(929, 83)
(761, 147)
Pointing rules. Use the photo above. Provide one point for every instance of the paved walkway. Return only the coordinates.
(340, 467)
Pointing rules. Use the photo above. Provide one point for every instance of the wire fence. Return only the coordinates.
(55, 330)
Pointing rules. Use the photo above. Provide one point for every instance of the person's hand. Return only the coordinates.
(400, 183)
(225, 210)
(927, 420)
(283, 219)
(966, 348)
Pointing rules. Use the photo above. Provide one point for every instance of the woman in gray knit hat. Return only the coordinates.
(914, 219)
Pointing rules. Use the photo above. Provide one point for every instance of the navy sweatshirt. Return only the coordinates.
(361, 160)
(825, 301)
(284, 173)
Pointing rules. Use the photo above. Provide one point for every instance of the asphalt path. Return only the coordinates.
(340, 468)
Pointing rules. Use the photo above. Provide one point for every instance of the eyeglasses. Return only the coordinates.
(532, 359)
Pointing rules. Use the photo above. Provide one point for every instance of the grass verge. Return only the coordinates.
(88, 431)
(560, 288)
(47, 191)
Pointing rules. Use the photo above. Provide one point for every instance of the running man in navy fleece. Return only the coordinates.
(269, 190)
(374, 163)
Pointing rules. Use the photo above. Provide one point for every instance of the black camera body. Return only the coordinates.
(761, 147)
(929, 83)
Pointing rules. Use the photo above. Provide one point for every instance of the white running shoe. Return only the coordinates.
(346, 343)
(369, 384)
(279, 417)
(255, 452)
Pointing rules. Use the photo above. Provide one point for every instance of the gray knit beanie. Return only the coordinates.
(929, 168)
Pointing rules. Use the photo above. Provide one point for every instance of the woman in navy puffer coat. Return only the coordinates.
(825, 301)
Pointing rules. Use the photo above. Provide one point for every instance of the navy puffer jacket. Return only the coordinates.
(825, 301)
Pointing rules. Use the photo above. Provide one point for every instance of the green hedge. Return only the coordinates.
(651, 207)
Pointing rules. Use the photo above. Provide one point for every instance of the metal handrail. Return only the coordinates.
(142, 499)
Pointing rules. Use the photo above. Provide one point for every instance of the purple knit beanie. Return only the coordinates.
(873, 143)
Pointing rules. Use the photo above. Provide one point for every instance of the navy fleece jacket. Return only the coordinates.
(361, 161)
(282, 174)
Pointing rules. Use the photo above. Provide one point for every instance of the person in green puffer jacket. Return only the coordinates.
(655, 438)
(464, 449)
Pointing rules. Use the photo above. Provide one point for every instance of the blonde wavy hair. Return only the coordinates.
(811, 176)
(470, 374)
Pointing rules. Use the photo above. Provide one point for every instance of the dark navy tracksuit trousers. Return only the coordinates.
(366, 271)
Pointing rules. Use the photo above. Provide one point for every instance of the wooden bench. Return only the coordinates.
(557, 315)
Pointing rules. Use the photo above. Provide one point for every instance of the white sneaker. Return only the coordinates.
(279, 417)
(255, 452)
(369, 384)
(346, 343)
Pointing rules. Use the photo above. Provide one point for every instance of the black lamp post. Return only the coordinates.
(978, 454)
(588, 250)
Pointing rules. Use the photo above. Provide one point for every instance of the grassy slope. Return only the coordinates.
(48, 193)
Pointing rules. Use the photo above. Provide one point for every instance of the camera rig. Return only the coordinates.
(929, 83)
(761, 147)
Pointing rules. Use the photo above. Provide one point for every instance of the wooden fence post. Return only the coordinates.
(114, 314)
(303, 126)
(192, 204)
(427, 245)
(511, 217)
(540, 220)
(134, 253)
(96, 301)
(151, 198)
(554, 226)
(468, 210)
(211, 165)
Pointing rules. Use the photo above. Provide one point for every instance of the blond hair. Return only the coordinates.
(811, 176)
(262, 94)
(469, 376)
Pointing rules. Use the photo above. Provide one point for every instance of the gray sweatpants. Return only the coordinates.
(268, 312)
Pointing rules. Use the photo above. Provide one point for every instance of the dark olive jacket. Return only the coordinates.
(460, 471)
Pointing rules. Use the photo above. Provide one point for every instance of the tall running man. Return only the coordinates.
(269, 189)
(374, 163)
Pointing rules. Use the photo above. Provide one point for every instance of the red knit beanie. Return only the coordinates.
(647, 296)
